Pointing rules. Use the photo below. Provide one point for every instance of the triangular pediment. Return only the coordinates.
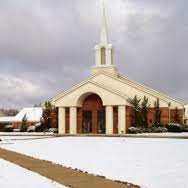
(108, 95)
(119, 86)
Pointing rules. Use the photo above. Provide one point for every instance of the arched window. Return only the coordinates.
(103, 56)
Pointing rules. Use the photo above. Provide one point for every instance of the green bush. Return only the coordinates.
(185, 128)
(160, 129)
(133, 130)
(175, 127)
(23, 127)
(8, 128)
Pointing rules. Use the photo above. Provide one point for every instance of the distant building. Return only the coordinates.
(2, 114)
(33, 116)
(186, 114)
(100, 104)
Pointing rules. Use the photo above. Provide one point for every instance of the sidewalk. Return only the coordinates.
(65, 176)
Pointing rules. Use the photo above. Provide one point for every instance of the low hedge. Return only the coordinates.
(136, 130)
(175, 127)
(8, 128)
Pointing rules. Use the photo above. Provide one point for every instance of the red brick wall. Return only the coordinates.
(115, 118)
(54, 119)
(165, 116)
(79, 120)
(17, 125)
(181, 115)
(67, 122)
(128, 116)
(151, 118)
(2, 127)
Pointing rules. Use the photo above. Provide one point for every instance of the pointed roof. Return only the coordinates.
(115, 90)
(32, 114)
(104, 29)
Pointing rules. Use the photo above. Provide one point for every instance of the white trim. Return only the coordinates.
(124, 80)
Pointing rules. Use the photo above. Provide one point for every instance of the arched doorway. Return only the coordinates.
(93, 115)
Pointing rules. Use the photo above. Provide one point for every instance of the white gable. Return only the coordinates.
(73, 97)
(186, 111)
(113, 90)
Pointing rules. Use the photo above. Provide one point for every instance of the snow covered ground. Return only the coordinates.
(10, 138)
(24, 134)
(184, 134)
(14, 176)
(5, 136)
(152, 163)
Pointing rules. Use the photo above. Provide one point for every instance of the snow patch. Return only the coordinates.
(151, 163)
(12, 175)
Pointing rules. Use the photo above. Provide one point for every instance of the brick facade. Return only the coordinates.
(128, 116)
(165, 119)
(67, 122)
(115, 119)
(93, 103)
(17, 125)
(181, 115)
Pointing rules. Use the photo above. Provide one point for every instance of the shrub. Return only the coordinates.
(185, 128)
(133, 130)
(157, 113)
(8, 128)
(23, 127)
(53, 130)
(159, 129)
(40, 128)
(31, 128)
(175, 127)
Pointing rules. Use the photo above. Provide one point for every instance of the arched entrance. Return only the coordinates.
(93, 115)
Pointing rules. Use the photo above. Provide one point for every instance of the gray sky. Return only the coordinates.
(47, 46)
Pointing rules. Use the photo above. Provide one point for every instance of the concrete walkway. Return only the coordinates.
(144, 135)
(65, 176)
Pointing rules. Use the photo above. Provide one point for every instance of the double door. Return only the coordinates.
(93, 122)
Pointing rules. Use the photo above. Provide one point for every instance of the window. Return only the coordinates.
(103, 56)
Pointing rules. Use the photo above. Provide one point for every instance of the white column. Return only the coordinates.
(97, 56)
(122, 119)
(73, 120)
(109, 55)
(109, 120)
(61, 120)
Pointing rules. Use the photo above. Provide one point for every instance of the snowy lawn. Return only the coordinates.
(14, 176)
(10, 138)
(24, 134)
(184, 134)
(153, 163)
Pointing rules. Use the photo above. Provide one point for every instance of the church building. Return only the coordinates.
(100, 104)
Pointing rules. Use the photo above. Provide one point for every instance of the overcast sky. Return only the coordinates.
(48, 45)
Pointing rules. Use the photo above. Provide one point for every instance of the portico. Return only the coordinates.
(91, 116)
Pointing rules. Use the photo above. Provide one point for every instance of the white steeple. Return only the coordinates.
(104, 28)
(104, 50)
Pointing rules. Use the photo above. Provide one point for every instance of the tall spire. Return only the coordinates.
(104, 30)
(104, 53)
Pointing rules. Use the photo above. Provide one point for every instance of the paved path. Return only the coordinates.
(65, 176)
(144, 135)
